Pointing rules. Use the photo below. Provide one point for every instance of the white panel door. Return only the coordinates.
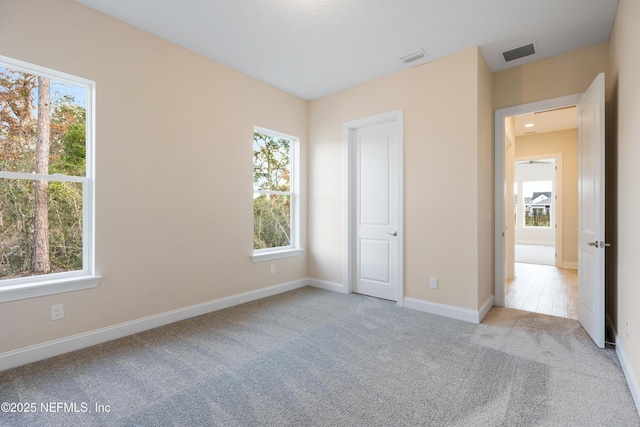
(376, 216)
(591, 211)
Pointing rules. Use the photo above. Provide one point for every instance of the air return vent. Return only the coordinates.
(519, 52)
(413, 56)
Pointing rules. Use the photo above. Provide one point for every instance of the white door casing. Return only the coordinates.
(556, 205)
(373, 148)
(509, 225)
(501, 189)
(591, 199)
(590, 259)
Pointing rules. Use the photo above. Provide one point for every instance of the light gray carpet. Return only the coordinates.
(312, 357)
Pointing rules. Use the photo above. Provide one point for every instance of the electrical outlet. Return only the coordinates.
(272, 269)
(433, 282)
(57, 312)
(627, 330)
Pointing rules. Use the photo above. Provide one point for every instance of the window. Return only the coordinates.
(534, 193)
(275, 195)
(537, 203)
(46, 181)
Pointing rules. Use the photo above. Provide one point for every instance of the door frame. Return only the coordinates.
(396, 117)
(558, 203)
(500, 187)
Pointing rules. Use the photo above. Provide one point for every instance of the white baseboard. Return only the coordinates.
(326, 285)
(22, 356)
(536, 242)
(420, 305)
(628, 373)
(488, 304)
(573, 265)
(447, 310)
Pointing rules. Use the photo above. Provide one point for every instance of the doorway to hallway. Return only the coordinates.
(535, 279)
(591, 193)
(544, 289)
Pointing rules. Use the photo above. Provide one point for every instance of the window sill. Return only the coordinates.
(270, 255)
(47, 287)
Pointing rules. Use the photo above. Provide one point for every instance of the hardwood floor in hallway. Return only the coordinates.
(544, 289)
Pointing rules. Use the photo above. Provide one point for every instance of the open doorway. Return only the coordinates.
(535, 206)
(541, 244)
(591, 196)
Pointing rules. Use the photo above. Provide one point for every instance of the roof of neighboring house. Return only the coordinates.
(539, 199)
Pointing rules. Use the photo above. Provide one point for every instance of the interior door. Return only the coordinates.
(376, 217)
(591, 199)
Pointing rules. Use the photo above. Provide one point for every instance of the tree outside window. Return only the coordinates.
(43, 181)
(274, 198)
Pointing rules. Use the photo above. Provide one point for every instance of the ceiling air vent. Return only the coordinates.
(413, 56)
(519, 52)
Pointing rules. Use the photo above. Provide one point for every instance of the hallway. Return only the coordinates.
(535, 254)
(544, 289)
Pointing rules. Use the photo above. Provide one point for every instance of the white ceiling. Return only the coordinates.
(312, 48)
(547, 121)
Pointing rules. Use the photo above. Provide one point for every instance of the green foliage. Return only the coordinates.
(271, 172)
(537, 219)
(17, 121)
(70, 159)
(69, 137)
(17, 154)
(271, 162)
(16, 225)
(65, 225)
(271, 221)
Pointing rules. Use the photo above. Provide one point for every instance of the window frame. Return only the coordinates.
(530, 208)
(53, 283)
(294, 248)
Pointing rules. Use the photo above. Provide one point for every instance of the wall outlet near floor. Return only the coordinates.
(433, 282)
(57, 312)
(626, 332)
(272, 269)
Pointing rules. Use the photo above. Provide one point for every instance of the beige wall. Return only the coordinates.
(174, 165)
(173, 173)
(562, 75)
(447, 148)
(624, 88)
(566, 143)
(573, 73)
(549, 78)
(486, 196)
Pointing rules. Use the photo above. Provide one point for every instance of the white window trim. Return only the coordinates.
(55, 283)
(269, 255)
(294, 248)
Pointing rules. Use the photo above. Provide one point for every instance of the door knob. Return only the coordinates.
(395, 233)
(593, 243)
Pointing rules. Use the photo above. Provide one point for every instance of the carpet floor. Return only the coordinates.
(316, 358)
